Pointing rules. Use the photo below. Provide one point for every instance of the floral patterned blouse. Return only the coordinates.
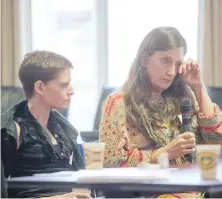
(126, 146)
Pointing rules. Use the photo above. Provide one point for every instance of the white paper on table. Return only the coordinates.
(111, 175)
(125, 175)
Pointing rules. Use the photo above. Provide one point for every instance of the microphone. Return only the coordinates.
(186, 109)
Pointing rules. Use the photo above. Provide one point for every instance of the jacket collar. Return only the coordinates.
(8, 118)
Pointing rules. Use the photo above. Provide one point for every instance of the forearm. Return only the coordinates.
(134, 157)
(205, 104)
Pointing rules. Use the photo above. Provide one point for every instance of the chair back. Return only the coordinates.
(215, 93)
(10, 96)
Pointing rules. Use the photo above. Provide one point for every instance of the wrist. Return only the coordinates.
(168, 149)
(156, 153)
(199, 88)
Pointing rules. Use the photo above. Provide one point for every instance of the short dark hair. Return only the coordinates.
(40, 65)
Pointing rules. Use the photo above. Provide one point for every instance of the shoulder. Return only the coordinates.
(113, 101)
(8, 124)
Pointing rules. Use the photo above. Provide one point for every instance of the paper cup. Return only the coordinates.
(208, 157)
(93, 155)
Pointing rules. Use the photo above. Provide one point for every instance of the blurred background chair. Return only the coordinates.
(215, 94)
(92, 136)
(11, 95)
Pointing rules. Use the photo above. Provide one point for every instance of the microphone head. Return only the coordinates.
(186, 106)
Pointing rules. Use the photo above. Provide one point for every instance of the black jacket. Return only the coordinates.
(9, 138)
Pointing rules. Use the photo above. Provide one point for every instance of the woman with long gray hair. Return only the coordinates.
(142, 120)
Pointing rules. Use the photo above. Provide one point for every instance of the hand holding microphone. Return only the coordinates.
(183, 144)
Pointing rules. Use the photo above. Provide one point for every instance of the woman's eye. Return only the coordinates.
(64, 85)
(165, 60)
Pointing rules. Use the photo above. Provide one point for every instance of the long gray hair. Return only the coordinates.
(137, 88)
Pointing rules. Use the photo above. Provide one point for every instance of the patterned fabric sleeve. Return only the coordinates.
(210, 127)
(119, 152)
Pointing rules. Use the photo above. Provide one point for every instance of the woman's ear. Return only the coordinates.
(38, 87)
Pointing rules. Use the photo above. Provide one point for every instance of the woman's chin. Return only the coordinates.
(165, 86)
(162, 88)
